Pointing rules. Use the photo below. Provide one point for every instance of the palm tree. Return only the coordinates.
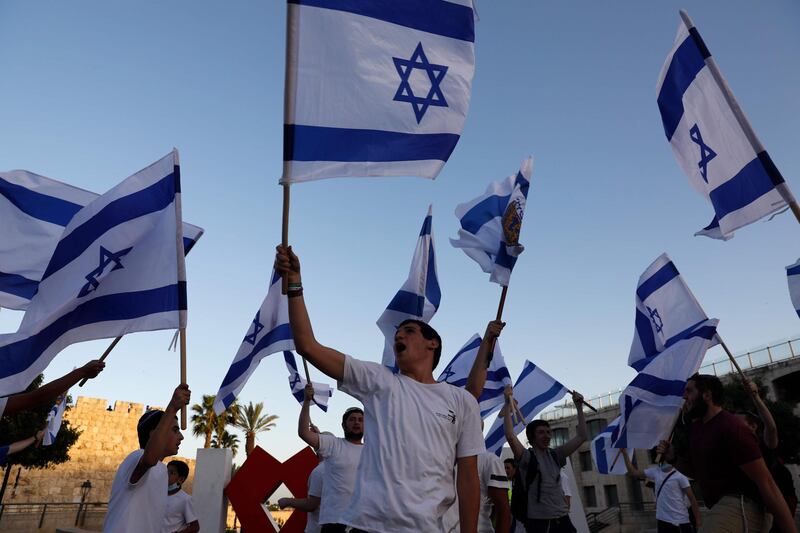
(226, 440)
(250, 420)
(206, 422)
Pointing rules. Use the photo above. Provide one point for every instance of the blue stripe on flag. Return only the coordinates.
(188, 244)
(600, 455)
(503, 258)
(228, 400)
(41, 206)
(645, 332)
(318, 143)
(432, 16)
(657, 385)
(744, 188)
(483, 212)
(687, 62)
(664, 275)
(148, 200)
(407, 302)
(18, 285)
(523, 183)
(18, 356)
(433, 293)
(280, 333)
(543, 398)
(793, 271)
(426, 226)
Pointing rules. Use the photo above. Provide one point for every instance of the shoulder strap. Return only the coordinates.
(664, 483)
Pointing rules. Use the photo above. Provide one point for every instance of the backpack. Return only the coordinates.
(520, 487)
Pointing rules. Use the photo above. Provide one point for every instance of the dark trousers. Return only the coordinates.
(333, 528)
(666, 527)
(555, 525)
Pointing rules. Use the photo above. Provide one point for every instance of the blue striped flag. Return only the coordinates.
(297, 384)
(491, 223)
(117, 268)
(33, 213)
(793, 278)
(605, 455)
(269, 332)
(497, 376)
(390, 103)
(666, 311)
(652, 400)
(420, 295)
(717, 150)
(533, 391)
(54, 417)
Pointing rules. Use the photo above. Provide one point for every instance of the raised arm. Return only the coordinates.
(508, 426)
(574, 443)
(632, 470)
(770, 494)
(24, 443)
(770, 429)
(47, 394)
(328, 360)
(304, 426)
(477, 374)
(469, 493)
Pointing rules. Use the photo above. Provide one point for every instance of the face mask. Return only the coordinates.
(173, 487)
(666, 467)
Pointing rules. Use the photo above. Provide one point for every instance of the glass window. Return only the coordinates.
(560, 437)
(589, 497)
(595, 427)
(612, 498)
(586, 461)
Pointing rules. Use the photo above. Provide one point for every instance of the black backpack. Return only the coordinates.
(520, 487)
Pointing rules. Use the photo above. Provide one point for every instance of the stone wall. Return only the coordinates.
(108, 436)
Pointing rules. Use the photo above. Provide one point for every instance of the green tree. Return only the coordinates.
(22, 425)
(226, 440)
(250, 420)
(204, 419)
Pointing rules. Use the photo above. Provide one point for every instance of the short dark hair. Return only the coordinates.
(147, 423)
(530, 429)
(709, 383)
(510, 461)
(350, 411)
(180, 467)
(428, 333)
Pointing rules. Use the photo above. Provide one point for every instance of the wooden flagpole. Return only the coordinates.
(103, 357)
(730, 356)
(500, 307)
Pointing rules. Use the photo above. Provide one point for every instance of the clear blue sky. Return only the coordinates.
(92, 91)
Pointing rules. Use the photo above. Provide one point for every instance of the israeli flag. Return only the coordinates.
(34, 210)
(605, 455)
(391, 102)
(534, 390)
(711, 139)
(491, 223)
(420, 295)
(497, 377)
(297, 384)
(268, 333)
(54, 420)
(650, 403)
(666, 311)
(793, 277)
(118, 268)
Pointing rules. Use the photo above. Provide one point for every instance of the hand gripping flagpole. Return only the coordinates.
(783, 187)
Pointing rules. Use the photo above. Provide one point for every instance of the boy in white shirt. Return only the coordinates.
(180, 517)
(138, 501)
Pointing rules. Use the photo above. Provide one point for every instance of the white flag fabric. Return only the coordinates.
(732, 171)
(497, 377)
(54, 420)
(297, 384)
(533, 391)
(793, 278)
(650, 403)
(34, 210)
(491, 223)
(118, 268)
(666, 311)
(391, 102)
(268, 333)
(420, 295)
(604, 454)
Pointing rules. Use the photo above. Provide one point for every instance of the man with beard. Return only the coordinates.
(341, 458)
(724, 458)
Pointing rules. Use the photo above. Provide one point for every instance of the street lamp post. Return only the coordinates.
(86, 486)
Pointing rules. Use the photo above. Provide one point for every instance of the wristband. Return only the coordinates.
(294, 293)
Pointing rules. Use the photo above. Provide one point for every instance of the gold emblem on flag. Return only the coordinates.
(512, 222)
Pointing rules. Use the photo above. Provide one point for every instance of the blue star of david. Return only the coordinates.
(295, 381)
(106, 258)
(706, 153)
(257, 327)
(435, 73)
(447, 374)
(656, 318)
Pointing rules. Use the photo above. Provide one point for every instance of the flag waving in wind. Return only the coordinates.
(54, 420)
(793, 278)
(33, 213)
(605, 455)
(419, 297)
(297, 384)
(533, 391)
(712, 140)
(391, 102)
(117, 268)
(666, 311)
(491, 223)
(497, 376)
(268, 333)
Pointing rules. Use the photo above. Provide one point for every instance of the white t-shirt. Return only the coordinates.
(565, 483)
(315, 484)
(341, 459)
(414, 432)
(670, 504)
(491, 474)
(140, 507)
(180, 512)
